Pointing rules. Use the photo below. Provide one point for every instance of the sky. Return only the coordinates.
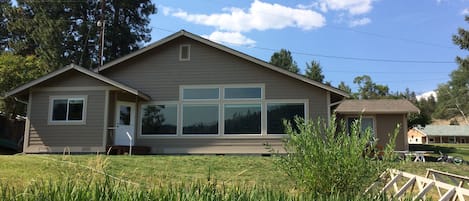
(399, 43)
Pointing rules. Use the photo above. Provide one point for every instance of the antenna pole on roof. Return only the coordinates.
(101, 24)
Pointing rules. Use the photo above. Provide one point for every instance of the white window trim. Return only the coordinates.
(221, 102)
(181, 92)
(181, 126)
(140, 119)
(285, 101)
(231, 102)
(181, 47)
(375, 134)
(67, 122)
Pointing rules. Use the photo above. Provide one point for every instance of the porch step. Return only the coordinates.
(121, 150)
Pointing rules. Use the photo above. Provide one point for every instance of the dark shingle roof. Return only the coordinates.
(379, 106)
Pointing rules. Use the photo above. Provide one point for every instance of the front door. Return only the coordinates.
(125, 123)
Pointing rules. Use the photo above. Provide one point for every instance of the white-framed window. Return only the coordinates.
(242, 118)
(67, 110)
(159, 119)
(278, 111)
(367, 122)
(185, 52)
(229, 110)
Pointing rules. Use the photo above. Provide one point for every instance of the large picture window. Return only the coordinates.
(242, 118)
(200, 119)
(159, 119)
(67, 110)
(278, 112)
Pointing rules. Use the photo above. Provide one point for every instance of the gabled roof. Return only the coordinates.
(81, 70)
(379, 106)
(445, 130)
(225, 49)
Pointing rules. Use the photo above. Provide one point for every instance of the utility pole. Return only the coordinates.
(101, 24)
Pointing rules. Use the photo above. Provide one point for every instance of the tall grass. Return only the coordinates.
(108, 189)
(93, 183)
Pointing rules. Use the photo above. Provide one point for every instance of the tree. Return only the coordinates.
(344, 87)
(16, 70)
(283, 59)
(453, 97)
(4, 35)
(314, 71)
(69, 31)
(367, 89)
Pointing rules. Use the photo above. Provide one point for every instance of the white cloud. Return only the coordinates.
(353, 7)
(359, 22)
(465, 11)
(260, 16)
(235, 38)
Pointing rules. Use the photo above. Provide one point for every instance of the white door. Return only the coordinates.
(125, 123)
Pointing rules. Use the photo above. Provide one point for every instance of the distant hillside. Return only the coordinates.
(447, 121)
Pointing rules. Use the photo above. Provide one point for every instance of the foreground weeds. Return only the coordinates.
(92, 182)
(108, 189)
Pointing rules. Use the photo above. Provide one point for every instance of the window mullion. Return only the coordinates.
(68, 109)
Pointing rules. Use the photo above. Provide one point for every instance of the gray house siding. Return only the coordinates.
(159, 73)
(44, 137)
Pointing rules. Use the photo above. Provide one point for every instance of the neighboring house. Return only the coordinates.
(183, 94)
(445, 133)
(381, 115)
(416, 136)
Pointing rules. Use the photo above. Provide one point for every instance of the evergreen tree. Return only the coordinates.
(344, 87)
(68, 29)
(453, 97)
(314, 71)
(283, 59)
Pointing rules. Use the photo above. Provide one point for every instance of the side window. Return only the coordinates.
(65, 110)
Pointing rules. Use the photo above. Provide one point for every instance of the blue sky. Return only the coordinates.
(399, 43)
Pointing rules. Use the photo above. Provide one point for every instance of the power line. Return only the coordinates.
(392, 37)
(384, 72)
(364, 58)
(385, 60)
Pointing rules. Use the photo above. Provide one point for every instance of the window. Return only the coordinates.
(242, 118)
(200, 93)
(159, 119)
(67, 110)
(200, 119)
(277, 112)
(243, 93)
(366, 123)
(184, 53)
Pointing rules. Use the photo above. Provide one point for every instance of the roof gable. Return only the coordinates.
(81, 70)
(225, 49)
(379, 106)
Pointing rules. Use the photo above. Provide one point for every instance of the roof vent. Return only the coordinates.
(185, 53)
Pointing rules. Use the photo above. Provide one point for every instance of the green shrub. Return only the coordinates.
(325, 159)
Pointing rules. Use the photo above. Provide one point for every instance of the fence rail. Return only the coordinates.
(399, 185)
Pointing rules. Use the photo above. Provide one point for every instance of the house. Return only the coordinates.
(444, 133)
(183, 94)
(416, 136)
(382, 115)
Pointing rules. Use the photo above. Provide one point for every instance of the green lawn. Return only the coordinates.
(151, 171)
(146, 170)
